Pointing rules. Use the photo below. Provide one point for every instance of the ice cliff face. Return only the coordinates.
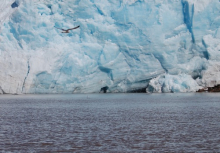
(121, 45)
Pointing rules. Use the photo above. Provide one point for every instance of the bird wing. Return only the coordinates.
(60, 29)
(73, 28)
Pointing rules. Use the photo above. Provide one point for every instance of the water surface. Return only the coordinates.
(110, 123)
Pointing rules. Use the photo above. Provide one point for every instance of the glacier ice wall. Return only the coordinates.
(124, 45)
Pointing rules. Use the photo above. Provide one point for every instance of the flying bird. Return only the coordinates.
(67, 30)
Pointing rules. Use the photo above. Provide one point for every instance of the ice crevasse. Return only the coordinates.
(121, 46)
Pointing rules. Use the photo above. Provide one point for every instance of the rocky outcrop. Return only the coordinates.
(210, 89)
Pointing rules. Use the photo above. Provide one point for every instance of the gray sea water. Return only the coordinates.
(110, 123)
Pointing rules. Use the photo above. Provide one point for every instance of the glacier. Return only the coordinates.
(121, 46)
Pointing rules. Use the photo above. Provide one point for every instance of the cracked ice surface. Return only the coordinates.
(126, 45)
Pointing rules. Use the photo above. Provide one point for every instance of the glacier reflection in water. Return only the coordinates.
(110, 123)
